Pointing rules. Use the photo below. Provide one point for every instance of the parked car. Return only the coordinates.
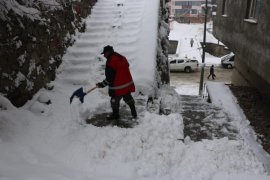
(227, 61)
(183, 64)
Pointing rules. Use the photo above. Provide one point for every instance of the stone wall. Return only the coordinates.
(32, 49)
(163, 73)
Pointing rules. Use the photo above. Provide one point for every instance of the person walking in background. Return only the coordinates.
(119, 80)
(212, 73)
(191, 42)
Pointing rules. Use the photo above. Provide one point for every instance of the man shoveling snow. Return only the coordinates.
(119, 80)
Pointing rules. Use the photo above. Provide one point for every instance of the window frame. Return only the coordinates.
(252, 12)
(224, 8)
(180, 61)
(173, 62)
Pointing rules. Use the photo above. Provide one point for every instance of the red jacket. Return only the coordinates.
(118, 76)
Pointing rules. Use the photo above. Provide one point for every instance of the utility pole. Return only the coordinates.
(203, 48)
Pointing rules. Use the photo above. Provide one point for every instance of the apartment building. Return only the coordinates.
(187, 11)
(244, 25)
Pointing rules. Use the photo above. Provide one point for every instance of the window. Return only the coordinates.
(232, 59)
(180, 61)
(224, 7)
(181, 11)
(194, 11)
(253, 9)
(189, 3)
(173, 62)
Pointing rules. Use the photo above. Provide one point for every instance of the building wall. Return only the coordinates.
(249, 40)
(175, 7)
(189, 12)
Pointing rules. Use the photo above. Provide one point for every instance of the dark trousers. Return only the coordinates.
(115, 104)
(213, 75)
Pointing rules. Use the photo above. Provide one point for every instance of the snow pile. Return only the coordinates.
(170, 101)
(205, 159)
(5, 104)
(42, 147)
(223, 176)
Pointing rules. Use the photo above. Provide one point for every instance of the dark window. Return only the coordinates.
(182, 11)
(194, 11)
(232, 58)
(253, 9)
(173, 62)
(224, 7)
(188, 3)
(180, 61)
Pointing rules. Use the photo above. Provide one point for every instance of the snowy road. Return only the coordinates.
(51, 142)
(188, 83)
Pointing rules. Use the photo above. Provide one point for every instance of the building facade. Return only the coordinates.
(187, 11)
(244, 26)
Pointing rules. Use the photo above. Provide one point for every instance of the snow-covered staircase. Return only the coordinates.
(113, 23)
(203, 120)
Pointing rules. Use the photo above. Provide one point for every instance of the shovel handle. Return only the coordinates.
(90, 90)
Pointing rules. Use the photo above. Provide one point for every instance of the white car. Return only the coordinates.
(183, 64)
(228, 60)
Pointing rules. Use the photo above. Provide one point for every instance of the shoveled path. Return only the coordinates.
(203, 120)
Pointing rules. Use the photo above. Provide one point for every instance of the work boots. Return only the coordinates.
(114, 115)
(133, 110)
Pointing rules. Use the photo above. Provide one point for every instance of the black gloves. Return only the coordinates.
(100, 85)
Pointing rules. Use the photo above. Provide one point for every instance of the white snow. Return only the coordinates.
(49, 141)
(20, 77)
(13, 5)
(26, 9)
(188, 89)
(222, 96)
(21, 59)
(222, 176)
(183, 33)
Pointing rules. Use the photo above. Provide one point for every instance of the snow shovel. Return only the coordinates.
(80, 94)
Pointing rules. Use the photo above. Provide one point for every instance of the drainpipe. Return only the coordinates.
(203, 54)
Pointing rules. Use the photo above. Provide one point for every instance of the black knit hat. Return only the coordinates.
(107, 48)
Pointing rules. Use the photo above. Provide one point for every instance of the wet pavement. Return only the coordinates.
(188, 83)
(203, 120)
(125, 120)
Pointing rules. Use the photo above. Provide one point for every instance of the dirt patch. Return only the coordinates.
(256, 108)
